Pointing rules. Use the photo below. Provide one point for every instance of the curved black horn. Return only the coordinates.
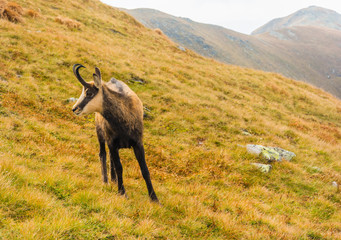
(75, 69)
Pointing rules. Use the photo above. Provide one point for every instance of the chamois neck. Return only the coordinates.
(113, 108)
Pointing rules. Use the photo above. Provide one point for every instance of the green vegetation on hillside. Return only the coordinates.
(50, 183)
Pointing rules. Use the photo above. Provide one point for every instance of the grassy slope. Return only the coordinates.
(50, 184)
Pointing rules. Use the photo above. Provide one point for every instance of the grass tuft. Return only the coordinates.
(70, 23)
(11, 11)
(32, 13)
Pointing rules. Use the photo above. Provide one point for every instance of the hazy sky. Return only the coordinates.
(239, 15)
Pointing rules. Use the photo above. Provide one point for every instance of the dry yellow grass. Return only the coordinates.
(15, 8)
(68, 22)
(159, 31)
(11, 11)
(32, 13)
(50, 184)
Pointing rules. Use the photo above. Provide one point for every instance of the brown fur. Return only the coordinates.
(126, 111)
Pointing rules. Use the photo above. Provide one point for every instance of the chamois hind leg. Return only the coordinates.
(140, 156)
(118, 166)
(102, 155)
(112, 168)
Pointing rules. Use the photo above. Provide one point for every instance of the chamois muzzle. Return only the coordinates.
(75, 69)
(77, 111)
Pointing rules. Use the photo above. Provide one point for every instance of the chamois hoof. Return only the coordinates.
(125, 195)
(154, 198)
(156, 201)
(121, 191)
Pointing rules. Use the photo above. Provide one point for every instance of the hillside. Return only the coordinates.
(311, 16)
(198, 111)
(208, 40)
(312, 57)
(308, 53)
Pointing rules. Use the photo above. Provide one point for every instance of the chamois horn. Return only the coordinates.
(75, 69)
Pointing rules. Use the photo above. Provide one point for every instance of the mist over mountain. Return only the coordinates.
(304, 45)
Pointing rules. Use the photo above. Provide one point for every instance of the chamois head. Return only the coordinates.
(91, 98)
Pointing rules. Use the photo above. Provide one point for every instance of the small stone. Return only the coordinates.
(245, 132)
(72, 99)
(200, 141)
(116, 32)
(147, 116)
(147, 109)
(316, 169)
(136, 79)
(265, 168)
(182, 48)
(336, 185)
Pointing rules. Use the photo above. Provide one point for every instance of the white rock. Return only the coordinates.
(254, 149)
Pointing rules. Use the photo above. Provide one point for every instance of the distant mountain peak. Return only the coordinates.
(314, 8)
(311, 16)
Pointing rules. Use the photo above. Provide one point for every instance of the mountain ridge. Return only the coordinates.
(275, 51)
(310, 16)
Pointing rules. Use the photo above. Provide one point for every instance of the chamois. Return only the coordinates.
(119, 123)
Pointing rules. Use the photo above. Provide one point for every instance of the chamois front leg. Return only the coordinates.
(112, 169)
(140, 156)
(118, 166)
(102, 154)
(103, 159)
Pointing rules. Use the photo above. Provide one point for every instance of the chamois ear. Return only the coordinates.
(97, 81)
(98, 73)
(97, 77)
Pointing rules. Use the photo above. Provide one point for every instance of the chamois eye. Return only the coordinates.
(89, 94)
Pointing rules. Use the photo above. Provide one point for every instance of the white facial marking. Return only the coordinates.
(80, 99)
(95, 105)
